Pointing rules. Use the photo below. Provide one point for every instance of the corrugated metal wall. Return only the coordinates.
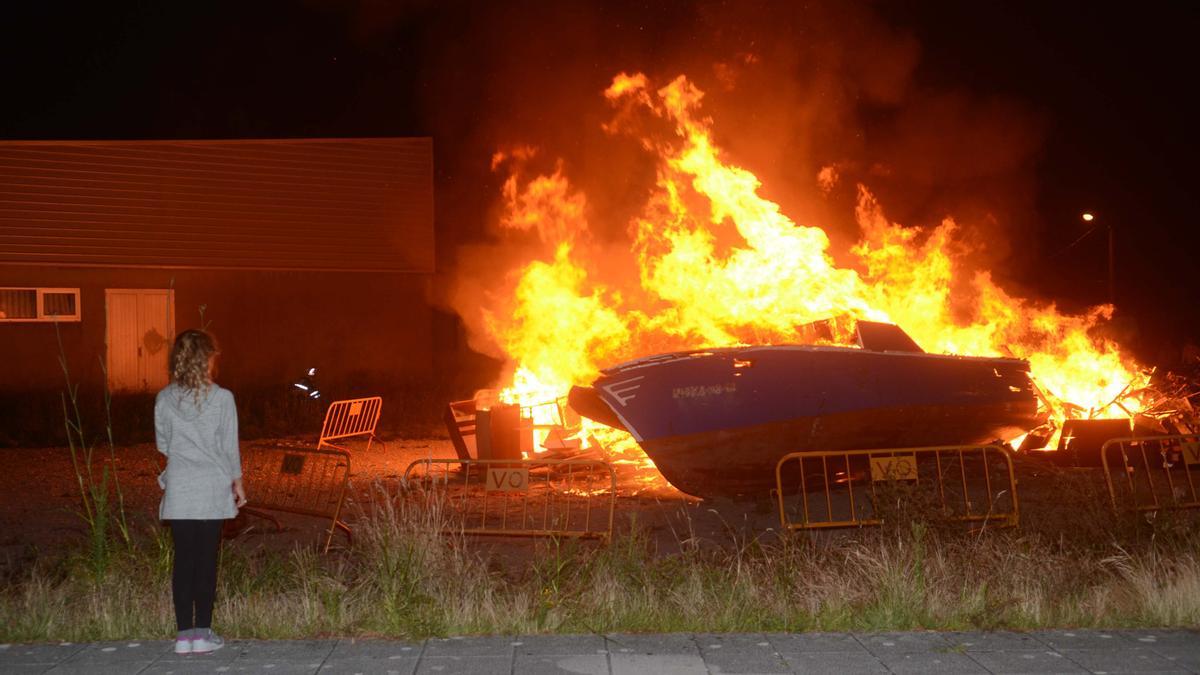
(319, 204)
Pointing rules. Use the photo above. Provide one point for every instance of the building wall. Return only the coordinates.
(301, 252)
(332, 204)
(354, 327)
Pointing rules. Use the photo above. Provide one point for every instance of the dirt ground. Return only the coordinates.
(39, 513)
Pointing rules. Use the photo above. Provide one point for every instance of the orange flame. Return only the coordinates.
(717, 264)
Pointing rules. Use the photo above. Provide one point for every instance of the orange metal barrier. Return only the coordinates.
(297, 480)
(1160, 472)
(849, 488)
(349, 419)
(530, 498)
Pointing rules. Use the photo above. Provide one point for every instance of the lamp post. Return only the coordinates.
(1112, 252)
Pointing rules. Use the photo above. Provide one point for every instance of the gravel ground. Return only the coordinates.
(39, 514)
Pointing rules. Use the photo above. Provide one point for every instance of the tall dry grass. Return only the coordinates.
(402, 578)
(101, 505)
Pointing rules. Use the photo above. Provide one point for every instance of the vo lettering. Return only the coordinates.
(508, 480)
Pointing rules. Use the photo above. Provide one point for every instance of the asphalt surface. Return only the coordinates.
(1057, 651)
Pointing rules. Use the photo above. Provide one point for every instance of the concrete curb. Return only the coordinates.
(1055, 651)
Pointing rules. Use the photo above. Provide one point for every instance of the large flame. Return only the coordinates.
(717, 264)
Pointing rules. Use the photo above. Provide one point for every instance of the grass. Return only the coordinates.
(401, 579)
(102, 501)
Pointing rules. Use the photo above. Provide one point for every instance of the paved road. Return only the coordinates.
(1059, 651)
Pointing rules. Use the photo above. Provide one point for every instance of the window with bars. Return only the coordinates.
(39, 304)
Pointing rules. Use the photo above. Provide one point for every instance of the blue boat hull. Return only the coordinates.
(717, 422)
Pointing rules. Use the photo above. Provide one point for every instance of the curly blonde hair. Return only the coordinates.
(189, 360)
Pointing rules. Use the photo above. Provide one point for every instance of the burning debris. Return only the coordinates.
(487, 428)
(1167, 404)
(1164, 407)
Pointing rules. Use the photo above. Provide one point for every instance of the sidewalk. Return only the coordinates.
(1059, 651)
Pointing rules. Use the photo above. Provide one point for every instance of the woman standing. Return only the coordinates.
(195, 426)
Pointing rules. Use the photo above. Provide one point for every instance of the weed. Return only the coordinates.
(402, 577)
(95, 491)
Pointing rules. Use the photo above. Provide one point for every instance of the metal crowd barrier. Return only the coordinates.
(529, 498)
(1159, 472)
(297, 480)
(854, 488)
(349, 419)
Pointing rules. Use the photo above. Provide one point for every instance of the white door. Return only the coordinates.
(141, 325)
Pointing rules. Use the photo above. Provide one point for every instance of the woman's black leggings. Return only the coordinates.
(194, 579)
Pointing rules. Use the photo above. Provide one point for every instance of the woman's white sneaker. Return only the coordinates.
(183, 643)
(204, 640)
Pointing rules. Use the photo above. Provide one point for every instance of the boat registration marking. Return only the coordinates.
(507, 480)
(898, 467)
(703, 390)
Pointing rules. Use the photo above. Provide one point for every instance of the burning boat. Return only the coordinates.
(707, 259)
(716, 421)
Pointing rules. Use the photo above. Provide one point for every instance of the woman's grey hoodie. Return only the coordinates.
(201, 444)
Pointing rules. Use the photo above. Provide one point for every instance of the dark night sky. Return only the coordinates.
(1108, 90)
